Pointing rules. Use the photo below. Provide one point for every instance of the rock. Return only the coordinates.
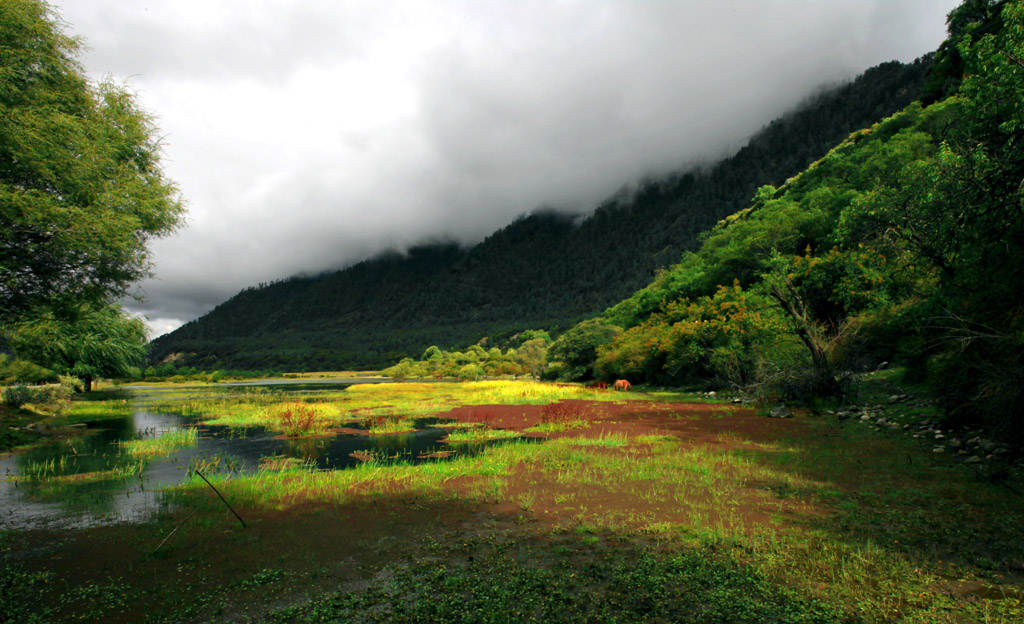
(955, 443)
(894, 399)
(973, 459)
(866, 417)
(939, 436)
(737, 400)
(939, 449)
(882, 366)
(712, 393)
(780, 412)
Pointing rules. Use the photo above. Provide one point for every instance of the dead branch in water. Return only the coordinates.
(224, 500)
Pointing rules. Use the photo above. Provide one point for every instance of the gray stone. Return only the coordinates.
(939, 449)
(973, 459)
(781, 412)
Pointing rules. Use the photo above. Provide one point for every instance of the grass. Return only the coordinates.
(254, 407)
(388, 424)
(479, 434)
(821, 521)
(166, 444)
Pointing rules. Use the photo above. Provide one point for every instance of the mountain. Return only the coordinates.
(903, 244)
(545, 270)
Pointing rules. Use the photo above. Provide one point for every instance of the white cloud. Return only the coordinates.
(306, 136)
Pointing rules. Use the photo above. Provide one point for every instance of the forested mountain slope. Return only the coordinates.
(904, 243)
(544, 270)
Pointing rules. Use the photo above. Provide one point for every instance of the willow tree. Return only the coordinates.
(82, 191)
(87, 342)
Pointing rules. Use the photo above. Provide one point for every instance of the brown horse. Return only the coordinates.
(622, 384)
(598, 385)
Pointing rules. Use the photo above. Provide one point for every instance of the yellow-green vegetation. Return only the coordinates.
(479, 434)
(166, 444)
(557, 427)
(82, 410)
(365, 402)
(62, 470)
(388, 423)
(470, 365)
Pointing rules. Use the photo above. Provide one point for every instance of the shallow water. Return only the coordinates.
(44, 503)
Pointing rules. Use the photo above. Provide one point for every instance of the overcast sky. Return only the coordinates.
(306, 136)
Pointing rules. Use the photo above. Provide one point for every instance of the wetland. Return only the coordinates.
(496, 501)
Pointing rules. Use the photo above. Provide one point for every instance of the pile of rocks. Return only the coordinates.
(970, 445)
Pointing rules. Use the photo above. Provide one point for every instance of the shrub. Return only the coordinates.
(72, 384)
(298, 419)
(18, 395)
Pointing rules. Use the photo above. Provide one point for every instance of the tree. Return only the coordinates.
(92, 343)
(533, 355)
(81, 188)
(578, 346)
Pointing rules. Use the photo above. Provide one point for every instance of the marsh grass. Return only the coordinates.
(479, 434)
(385, 424)
(66, 469)
(255, 407)
(170, 441)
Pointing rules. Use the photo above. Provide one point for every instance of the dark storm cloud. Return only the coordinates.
(306, 136)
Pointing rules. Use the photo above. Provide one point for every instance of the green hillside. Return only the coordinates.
(545, 270)
(904, 243)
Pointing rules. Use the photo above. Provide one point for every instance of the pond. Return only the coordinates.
(89, 479)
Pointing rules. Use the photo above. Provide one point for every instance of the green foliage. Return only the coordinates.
(471, 372)
(48, 395)
(93, 343)
(717, 336)
(19, 395)
(13, 371)
(81, 189)
(533, 354)
(905, 241)
(578, 347)
(471, 365)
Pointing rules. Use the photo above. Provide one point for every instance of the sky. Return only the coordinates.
(307, 136)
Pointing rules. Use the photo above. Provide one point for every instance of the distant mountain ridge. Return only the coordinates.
(545, 270)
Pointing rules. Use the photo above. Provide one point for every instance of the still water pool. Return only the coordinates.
(75, 489)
